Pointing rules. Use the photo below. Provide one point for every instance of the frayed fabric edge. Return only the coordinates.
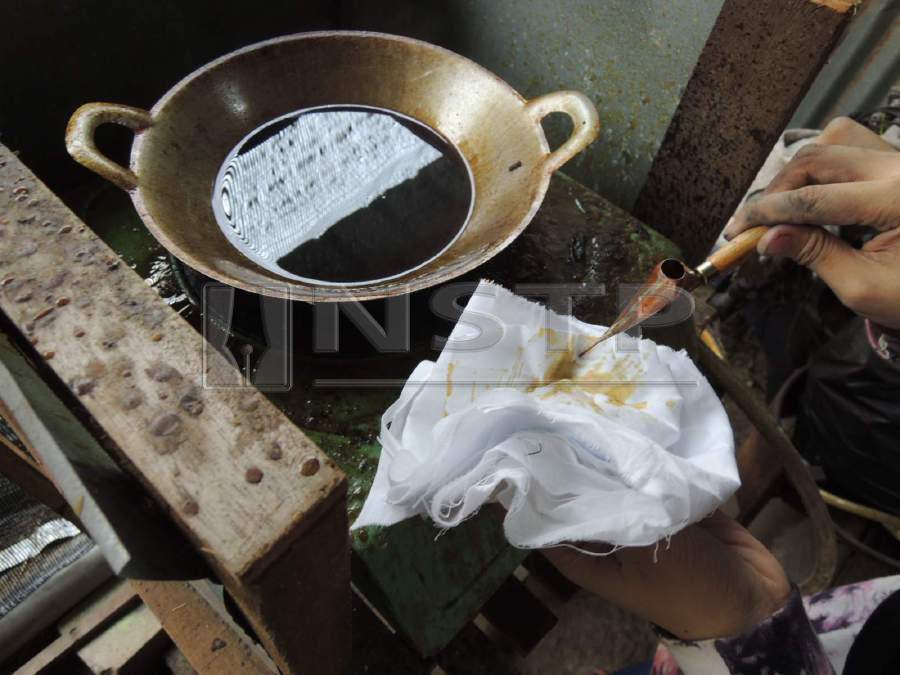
(667, 538)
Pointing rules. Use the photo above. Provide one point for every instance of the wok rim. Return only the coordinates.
(291, 289)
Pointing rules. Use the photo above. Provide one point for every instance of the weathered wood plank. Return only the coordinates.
(136, 367)
(224, 462)
(133, 643)
(198, 623)
(757, 64)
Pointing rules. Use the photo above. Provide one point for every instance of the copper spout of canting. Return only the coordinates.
(671, 274)
(658, 291)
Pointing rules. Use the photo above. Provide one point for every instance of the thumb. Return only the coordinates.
(839, 265)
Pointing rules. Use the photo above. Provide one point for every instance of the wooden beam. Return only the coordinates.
(299, 601)
(758, 62)
(132, 643)
(20, 468)
(199, 624)
(18, 459)
(17, 442)
(113, 603)
(205, 454)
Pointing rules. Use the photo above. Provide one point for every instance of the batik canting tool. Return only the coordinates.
(670, 275)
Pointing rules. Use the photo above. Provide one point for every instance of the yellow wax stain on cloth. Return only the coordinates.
(626, 445)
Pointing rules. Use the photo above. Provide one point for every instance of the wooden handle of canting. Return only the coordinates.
(737, 249)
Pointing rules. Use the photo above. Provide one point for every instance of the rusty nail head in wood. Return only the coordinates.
(310, 466)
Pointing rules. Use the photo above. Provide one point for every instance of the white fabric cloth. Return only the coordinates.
(628, 449)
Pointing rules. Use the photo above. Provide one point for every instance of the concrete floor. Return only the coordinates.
(591, 634)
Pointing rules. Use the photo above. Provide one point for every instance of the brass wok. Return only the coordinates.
(182, 142)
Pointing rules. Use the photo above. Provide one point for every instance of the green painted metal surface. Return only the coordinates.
(429, 582)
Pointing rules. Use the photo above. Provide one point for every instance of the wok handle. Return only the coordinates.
(585, 122)
(80, 138)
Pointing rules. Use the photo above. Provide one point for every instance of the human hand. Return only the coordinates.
(851, 177)
(713, 580)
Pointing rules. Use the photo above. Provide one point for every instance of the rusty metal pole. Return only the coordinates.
(758, 63)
